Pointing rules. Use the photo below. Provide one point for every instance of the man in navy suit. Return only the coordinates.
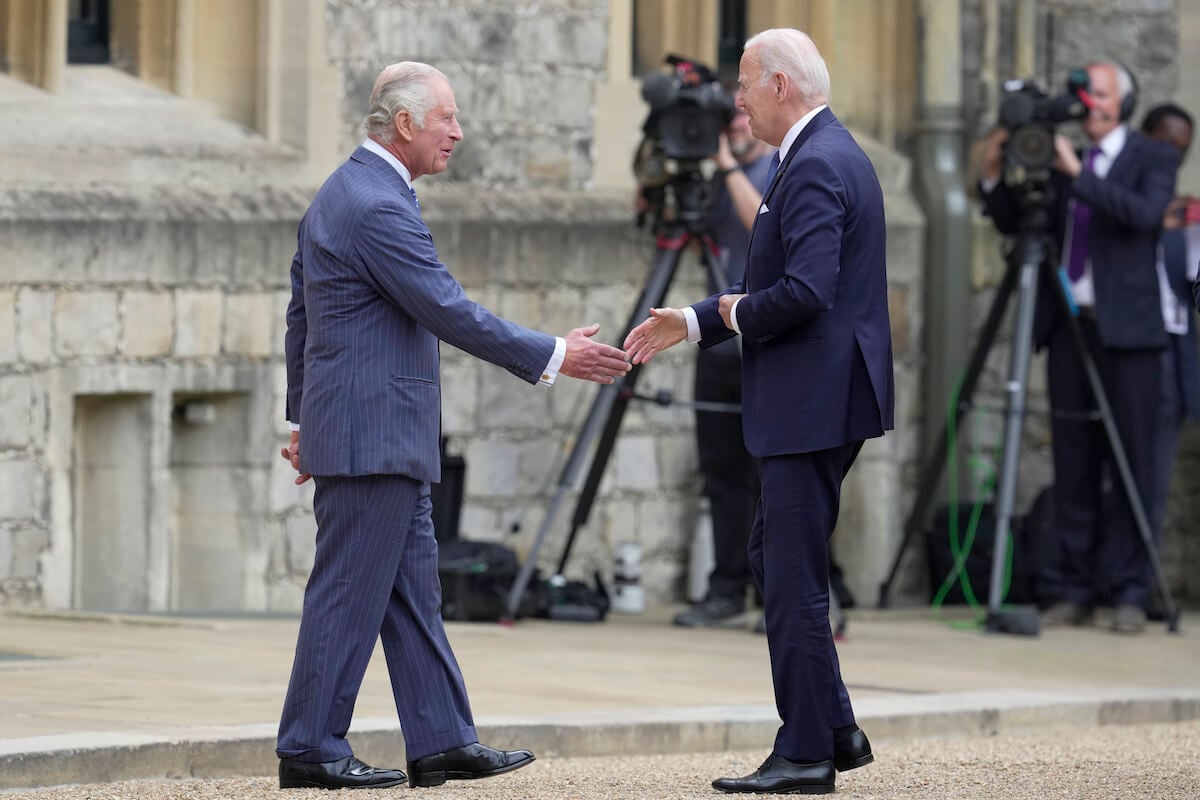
(370, 302)
(1107, 215)
(812, 311)
(1178, 256)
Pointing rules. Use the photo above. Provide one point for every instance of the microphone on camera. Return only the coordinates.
(658, 90)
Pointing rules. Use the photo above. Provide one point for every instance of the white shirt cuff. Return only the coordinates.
(733, 316)
(693, 324)
(293, 426)
(987, 184)
(551, 371)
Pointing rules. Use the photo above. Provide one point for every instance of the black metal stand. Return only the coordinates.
(608, 409)
(1028, 260)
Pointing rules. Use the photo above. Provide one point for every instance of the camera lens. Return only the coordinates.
(1032, 146)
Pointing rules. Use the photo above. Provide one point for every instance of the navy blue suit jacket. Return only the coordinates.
(1175, 253)
(817, 343)
(1127, 212)
(370, 300)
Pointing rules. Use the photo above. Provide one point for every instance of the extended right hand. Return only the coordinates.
(665, 328)
(592, 361)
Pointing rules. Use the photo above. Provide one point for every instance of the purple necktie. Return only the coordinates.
(1079, 229)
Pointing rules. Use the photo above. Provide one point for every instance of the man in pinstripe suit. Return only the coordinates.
(370, 302)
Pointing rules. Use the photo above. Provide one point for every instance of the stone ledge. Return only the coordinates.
(440, 204)
(248, 750)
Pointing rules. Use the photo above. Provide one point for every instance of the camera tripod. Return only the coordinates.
(1028, 262)
(608, 409)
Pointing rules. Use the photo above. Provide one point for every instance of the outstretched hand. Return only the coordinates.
(588, 360)
(665, 328)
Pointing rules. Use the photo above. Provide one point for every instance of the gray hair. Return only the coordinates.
(793, 53)
(406, 86)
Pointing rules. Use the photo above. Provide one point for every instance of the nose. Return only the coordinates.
(739, 100)
(456, 132)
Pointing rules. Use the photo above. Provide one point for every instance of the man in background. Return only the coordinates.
(730, 473)
(1179, 256)
(1108, 215)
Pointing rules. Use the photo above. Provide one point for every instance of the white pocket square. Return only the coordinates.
(764, 209)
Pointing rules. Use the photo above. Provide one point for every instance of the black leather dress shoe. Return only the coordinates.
(348, 773)
(851, 750)
(777, 775)
(465, 763)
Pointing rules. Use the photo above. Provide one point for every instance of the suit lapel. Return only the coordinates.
(1126, 157)
(387, 172)
(823, 118)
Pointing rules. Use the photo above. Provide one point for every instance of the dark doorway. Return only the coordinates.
(87, 32)
(731, 35)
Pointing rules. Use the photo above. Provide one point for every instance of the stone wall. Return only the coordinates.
(524, 72)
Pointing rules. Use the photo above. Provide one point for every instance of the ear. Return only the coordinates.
(781, 83)
(403, 123)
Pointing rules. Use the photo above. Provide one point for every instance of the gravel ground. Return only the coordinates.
(1148, 762)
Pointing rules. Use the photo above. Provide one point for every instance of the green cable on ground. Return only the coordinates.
(960, 552)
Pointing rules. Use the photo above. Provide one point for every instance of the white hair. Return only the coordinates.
(406, 86)
(793, 53)
(1125, 84)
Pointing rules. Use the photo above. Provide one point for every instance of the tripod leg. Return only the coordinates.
(655, 293)
(931, 474)
(1141, 521)
(599, 416)
(1030, 254)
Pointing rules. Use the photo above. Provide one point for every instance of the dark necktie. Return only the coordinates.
(1082, 215)
(772, 170)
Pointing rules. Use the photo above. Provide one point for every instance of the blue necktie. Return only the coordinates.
(413, 192)
(771, 171)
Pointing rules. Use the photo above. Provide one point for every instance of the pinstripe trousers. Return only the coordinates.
(374, 576)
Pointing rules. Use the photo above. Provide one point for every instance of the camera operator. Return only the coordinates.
(729, 472)
(1107, 215)
(1179, 253)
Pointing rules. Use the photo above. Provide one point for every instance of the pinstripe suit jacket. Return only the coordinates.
(370, 301)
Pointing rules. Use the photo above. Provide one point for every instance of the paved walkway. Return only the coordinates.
(198, 696)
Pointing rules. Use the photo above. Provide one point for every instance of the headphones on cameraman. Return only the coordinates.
(1078, 80)
(1129, 101)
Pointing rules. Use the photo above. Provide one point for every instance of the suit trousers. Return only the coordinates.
(789, 555)
(1102, 558)
(374, 577)
(729, 472)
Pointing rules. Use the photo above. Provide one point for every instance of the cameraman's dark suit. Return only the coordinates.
(1124, 333)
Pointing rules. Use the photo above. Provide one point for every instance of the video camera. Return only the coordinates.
(689, 109)
(1031, 117)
